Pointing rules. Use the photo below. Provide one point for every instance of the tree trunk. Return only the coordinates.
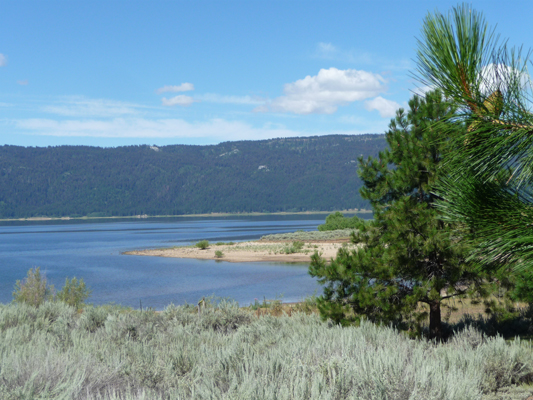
(435, 327)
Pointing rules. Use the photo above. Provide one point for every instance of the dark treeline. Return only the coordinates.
(294, 174)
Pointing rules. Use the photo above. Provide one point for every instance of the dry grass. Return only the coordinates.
(459, 308)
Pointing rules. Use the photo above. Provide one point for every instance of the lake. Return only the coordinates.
(92, 250)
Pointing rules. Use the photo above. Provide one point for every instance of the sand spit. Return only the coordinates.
(249, 251)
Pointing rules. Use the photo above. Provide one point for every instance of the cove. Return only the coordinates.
(92, 250)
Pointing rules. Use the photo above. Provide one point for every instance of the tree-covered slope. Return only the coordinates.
(292, 174)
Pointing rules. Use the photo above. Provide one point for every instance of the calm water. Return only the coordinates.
(92, 251)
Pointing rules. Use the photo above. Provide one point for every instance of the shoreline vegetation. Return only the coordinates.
(219, 349)
(285, 247)
(213, 214)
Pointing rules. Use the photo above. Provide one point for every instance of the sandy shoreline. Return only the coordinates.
(249, 251)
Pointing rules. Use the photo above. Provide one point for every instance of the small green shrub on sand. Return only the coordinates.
(202, 244)
(298, 245)
(219, 254)
(295, 247)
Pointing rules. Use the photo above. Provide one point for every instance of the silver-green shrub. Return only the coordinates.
(225, 352)
(310, 235)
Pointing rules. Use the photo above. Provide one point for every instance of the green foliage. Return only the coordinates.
(408, 255)
(219, 254)
(489, 191)
(74, 292)
(337, 221)
(305, 174)
(296, 247)
(202, 244)
(309, 236)
(54, 352)
(508, 324)
(266, 304)
(308, 305)
(523, 288)
(33, 290)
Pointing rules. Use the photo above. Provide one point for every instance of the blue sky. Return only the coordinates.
(113, 73)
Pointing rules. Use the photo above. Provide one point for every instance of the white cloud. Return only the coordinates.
(386, 108)
(184, 87)
(82, 107)
(490, 78)
(215, 129)
(352, 119)
(23, 83)
(216, 98)
(144, 128)
(180, 100)
(422, 90)
(3, 60)
(500, 76)
(326, 50)
(325, 92)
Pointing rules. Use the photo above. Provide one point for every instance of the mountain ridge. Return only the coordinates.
(317, 173)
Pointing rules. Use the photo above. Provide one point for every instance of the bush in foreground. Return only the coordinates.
(74, 293)
(54, 352)
(34, 289)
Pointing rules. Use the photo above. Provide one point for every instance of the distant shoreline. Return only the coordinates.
(352, 211)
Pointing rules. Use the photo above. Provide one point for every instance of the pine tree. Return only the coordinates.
(408, 255)
(489, 191)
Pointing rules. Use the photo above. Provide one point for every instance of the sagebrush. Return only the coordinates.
(55, 352)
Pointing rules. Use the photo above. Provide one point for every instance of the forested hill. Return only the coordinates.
(292, 174)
